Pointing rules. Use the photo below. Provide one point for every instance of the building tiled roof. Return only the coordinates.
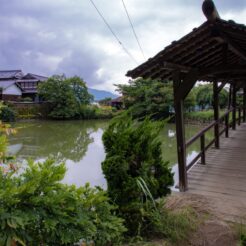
(7, 83)
(202, 48)
(35, 77)
(11, 74)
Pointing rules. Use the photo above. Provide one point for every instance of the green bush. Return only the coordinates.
(243, 240)
(134, 161)
(26, 99)
(94, 112)
(7, 114)
(204, 116)
(29, 111)
(176, 227)
(37, 209)
(87, 112)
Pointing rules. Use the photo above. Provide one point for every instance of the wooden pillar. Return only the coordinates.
(230, 97)
(180, 133)
(216, 114)
(234, 105)
(244, 104)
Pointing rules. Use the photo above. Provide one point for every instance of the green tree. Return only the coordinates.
(80, 90)
(65, 96)
(146, 97)
(204, 96)
(133, 157)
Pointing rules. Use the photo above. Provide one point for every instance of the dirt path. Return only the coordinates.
(217, 228)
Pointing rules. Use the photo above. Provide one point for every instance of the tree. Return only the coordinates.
(146, 97)
(204, 96)
(65, 96)
(133, 158)
(80, 90)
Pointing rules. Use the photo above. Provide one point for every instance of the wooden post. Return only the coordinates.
(216, 115)
(244, 104)
(180, 133)
(239, 116)
(230, 97)
(203, 158)
(234, 105)
(227, 125)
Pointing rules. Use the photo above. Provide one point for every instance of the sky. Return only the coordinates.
(48, 37)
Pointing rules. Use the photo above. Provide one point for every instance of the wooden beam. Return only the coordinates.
(223, 69)
(216, 115)
(180, 132)
(173, 66)
(234, 105)
(244, 104)
(187, 84)
(220, 88)
(223, 38)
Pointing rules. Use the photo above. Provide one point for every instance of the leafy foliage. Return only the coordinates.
(65, 95)
(37, 209)
(7, 114)
(133, 154)
(145, 97)
(80, 90)
(204, 96)
(174, 226)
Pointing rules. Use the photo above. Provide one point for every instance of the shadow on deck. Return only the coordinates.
(223, 179)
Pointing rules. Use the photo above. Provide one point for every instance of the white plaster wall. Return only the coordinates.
(12, 90)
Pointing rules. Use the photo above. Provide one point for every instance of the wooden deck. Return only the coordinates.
(223, 178)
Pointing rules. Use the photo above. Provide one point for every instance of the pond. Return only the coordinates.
(79, 145)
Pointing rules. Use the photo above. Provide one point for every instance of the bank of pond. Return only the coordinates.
(79, 145)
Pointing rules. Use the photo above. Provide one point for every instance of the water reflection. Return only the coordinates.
(79, 144)
(59, 140)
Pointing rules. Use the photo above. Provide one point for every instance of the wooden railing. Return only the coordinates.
(225, 118)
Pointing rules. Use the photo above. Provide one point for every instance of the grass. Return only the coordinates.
(175, 226)
(205, 115)
(241, 234)
(168, 227)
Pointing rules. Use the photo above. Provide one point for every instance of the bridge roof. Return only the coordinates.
(216, 51)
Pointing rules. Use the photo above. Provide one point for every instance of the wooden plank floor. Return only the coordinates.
(223, 178)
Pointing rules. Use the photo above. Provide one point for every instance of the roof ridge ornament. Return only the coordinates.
(210, 11)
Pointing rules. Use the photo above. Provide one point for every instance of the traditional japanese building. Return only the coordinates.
(14, 85)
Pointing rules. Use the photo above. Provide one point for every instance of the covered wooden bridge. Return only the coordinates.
(214, 52)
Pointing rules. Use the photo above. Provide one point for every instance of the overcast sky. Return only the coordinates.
(49, 37)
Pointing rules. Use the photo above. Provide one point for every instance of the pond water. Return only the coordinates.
(79, 145)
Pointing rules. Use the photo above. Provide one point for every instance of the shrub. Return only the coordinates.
(37, 209)
(95, 112)
(26, 99)
(134, 161)
(175, 226)
(28, 111)
(87, 112)
(7, 114)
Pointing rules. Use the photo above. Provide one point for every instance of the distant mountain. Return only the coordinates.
(100, 94)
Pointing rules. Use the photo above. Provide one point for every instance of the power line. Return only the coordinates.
(133, 29)
(112, 32)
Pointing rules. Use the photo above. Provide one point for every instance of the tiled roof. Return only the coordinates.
(35, 76)
(5, 84)
(200, 49)
(11, 74)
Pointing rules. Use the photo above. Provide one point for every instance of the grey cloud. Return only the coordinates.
(67, 36)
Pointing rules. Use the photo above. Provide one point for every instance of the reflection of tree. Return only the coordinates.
(60, 140)
(168, 138)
